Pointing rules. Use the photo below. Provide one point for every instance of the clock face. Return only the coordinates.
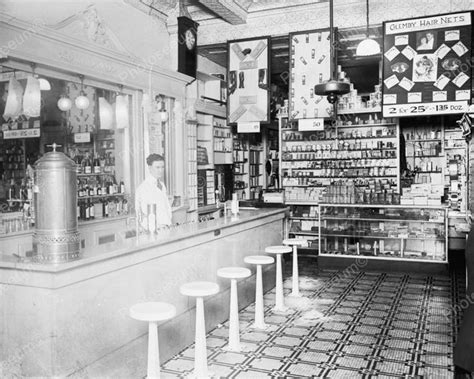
(190, 39)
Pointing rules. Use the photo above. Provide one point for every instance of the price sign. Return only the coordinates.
(311, 124)
(21, 133)
(399, 110)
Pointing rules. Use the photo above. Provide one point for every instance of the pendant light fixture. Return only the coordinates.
(82, 102)
(44, 84)
(14, 102)
(64, 103)
(121, 109)
(32, 98)
(163, 113)
(368, 46)
(332, 88)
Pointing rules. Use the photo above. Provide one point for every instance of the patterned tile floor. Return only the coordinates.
(350, 324)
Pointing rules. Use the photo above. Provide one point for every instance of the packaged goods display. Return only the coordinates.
(383, 232)
(354, 160)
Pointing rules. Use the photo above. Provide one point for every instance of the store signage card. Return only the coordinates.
(82, 137)
(248, 83)
(427, 65)
(309, 124)
(310, 64)
(248, 127)
(21, 133)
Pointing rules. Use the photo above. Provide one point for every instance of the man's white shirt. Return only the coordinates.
(148, 193)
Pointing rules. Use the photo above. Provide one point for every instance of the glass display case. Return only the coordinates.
(385, 232)
(303, 222)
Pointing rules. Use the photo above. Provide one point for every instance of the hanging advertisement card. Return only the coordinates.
(434, 64)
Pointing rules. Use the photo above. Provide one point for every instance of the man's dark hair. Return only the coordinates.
(154, 158)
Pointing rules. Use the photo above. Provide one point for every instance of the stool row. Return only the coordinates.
(154, 312)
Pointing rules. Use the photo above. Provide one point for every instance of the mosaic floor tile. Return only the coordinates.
(304, 370)
(277, 352)
(358, 325)
(355, 349)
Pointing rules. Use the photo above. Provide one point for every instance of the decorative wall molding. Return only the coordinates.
(89, 26)
(55, 51)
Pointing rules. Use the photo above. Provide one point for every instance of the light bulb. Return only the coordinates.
(164, 116)
(64, 103)
(82, 102)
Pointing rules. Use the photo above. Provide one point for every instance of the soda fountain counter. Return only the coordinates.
(73, 318)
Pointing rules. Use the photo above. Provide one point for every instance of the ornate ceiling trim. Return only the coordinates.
(228, 10)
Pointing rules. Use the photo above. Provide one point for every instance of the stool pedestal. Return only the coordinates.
(295, 290)
(279, 296)
(259, 260)
(199, 290)
(234, 273)
(152, 312)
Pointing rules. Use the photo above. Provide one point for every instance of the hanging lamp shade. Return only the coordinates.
(32, 97)
(368, 47)
(82, 102)
(13, 105)
(121, 111)
(332, 88)
(64, 103)
(106, 114)
(44, 84)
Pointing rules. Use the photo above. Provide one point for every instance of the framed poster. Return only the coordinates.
(427, 65)
(248, 85)
(310, 64)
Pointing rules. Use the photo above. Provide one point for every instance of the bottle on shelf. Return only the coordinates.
(122, 187)
(105, 208)
(91, 209)
(87, 165)
(97, 168)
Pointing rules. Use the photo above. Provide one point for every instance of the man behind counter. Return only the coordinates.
(152, 192)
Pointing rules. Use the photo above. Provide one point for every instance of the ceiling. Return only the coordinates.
(235, 12)
(348, 41)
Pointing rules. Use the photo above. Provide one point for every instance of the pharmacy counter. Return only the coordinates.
(72, 319)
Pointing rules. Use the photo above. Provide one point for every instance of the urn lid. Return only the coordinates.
(55, 159)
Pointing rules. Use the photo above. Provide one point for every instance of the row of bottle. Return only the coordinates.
(20, 191)
(94, 165)
(99, 186)
(89, 210)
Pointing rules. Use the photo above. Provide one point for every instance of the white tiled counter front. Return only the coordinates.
(72, 319)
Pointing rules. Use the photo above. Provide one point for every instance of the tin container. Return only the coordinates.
(56, 238)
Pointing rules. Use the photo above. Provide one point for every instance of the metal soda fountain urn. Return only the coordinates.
(56, 238)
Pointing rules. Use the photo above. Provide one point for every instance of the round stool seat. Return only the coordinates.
(295, 241)
(152, 311)
(199, 289)
(259, 259)
(278, 249)
(234, 272)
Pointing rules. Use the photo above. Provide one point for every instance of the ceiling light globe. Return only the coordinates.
(64, 104)
(82, 102)
(367, 47)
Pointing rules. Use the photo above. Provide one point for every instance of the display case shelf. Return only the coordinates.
(396, 233)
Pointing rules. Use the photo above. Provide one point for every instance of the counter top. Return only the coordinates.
(127, 242)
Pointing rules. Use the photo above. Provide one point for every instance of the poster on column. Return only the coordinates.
(310, 64)
(248, 84)
(427, 65)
